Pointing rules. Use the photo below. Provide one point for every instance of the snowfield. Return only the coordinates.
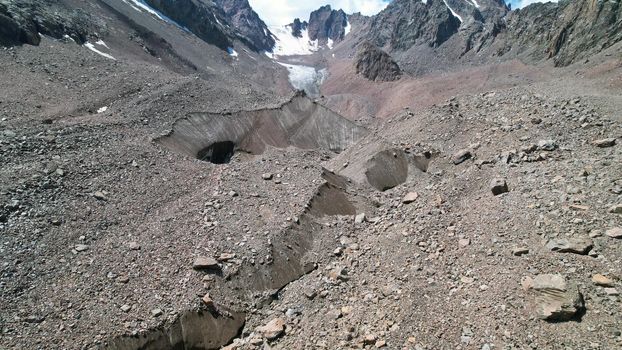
(287, 44)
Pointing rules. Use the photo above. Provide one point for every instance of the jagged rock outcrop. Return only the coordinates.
(298, 26)
(203, 18)
(565, 32)
(326, 23)
(219, 23)
(479, 10)
(241, 15)
(406, 23)
(22, 22)
(375, 64)
(325, 26)
(464, 31)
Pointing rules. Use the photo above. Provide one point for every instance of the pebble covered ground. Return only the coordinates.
(512, 240)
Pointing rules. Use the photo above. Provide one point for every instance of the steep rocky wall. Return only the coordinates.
(22, 22)
(326, 23)
(204, 19)
(247, 22)
(406, 23)
(443, 33)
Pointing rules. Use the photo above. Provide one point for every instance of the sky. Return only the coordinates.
(280, 12)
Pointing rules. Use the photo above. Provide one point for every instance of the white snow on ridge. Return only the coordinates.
(141, 5)
(131, 5)
(287, 44)
(92, 47)
(232, 52)
(452, 11)
(102, 43)
(68, 38)
(475, 3)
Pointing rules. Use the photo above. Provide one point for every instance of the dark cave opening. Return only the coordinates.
(217, 153)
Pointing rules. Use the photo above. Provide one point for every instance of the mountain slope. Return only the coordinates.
(565, 32)
(23, 22)
(437, 34)
(245, 20)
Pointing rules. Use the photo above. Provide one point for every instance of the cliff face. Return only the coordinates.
(406, 23)
(22, 21)
(458, 31)
(326, 23)
(246, 21)
(205, 19)
(298, 26)
(219, 22)
(565, 32)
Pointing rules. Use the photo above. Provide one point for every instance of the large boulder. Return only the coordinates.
(555, 299)
(375, 64)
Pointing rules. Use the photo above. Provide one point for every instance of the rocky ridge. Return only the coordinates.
(204, 19)
(565, 32)
(23, 22)
(456, 32)
(327, 24)
(246, 21)
(324, 24)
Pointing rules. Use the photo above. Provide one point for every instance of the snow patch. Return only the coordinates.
(475, 3)
(348, 27)
(91, 47)
(287, 44)
(141, 5)
(232, 52)
(102, 109)
(452, 11)
(330, 43)
(102, 43)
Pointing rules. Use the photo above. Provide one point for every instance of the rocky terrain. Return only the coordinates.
(442, 34)
(23, 22)
(163, 187)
